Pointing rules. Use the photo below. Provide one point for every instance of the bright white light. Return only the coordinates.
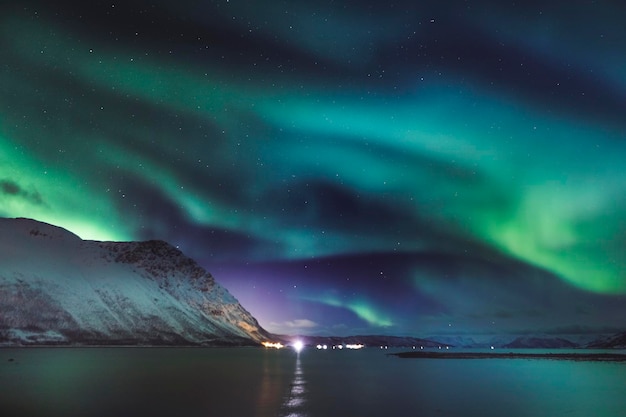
(298, 345)
(276, 345)
(354, 346)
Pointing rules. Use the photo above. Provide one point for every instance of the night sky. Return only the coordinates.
(342, 167)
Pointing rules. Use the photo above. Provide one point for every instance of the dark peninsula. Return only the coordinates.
(583, 356)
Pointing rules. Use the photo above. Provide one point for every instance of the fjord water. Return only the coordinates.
(240, 382)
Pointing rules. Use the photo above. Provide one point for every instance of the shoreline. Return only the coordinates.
(591, 357)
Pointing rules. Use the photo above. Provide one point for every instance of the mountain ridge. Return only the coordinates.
(56, 288)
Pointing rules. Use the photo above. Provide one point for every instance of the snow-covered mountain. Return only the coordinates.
(509, 341)
(616, 341)
(540, 343)
(58, 289)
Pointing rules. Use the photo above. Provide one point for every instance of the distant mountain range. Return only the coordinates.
(56, 289)
(617, 341)
(367, 340)
(537, 341)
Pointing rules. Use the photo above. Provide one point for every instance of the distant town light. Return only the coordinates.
(275, 345)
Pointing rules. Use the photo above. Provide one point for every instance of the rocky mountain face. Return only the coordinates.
(58, 289)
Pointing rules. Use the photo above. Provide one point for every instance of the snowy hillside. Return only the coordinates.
(616, 341)
(58, 289)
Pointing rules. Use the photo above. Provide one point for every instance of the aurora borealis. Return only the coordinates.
(340, 166)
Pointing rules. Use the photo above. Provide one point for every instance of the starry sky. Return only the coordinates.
(342, 167)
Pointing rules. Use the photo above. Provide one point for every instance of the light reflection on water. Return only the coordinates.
(270, 387)
(294, 403)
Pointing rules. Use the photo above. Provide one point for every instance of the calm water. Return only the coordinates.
(242, 382)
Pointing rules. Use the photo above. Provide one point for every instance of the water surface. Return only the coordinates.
(241, 382)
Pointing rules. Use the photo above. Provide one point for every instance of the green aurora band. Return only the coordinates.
(544, 188)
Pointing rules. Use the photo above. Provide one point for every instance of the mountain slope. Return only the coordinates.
(535, 342)
(58, 289)
(616, 341)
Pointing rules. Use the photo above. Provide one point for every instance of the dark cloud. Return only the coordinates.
(9, 187)
(454, 47)
(13, 189)
(164, 219)
(425, 292)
